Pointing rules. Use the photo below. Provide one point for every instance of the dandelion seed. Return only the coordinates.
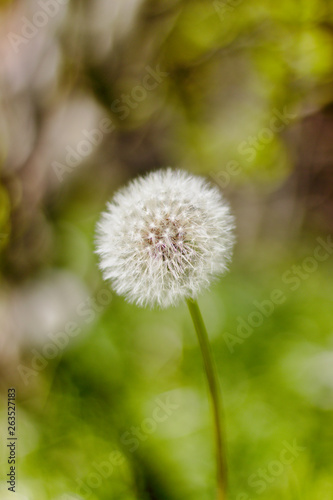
(164, 238)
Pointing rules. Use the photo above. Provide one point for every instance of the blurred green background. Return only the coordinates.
(111, 399)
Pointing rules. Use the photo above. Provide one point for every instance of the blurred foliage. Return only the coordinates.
(276, 388)
(193, 84)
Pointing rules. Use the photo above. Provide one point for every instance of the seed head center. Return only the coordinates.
(164, 237)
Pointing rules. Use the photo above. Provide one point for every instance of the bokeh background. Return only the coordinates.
(112, 399)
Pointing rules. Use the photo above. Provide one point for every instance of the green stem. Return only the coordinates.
(215, 396)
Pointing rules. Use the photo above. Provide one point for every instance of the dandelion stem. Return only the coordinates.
(215, 394)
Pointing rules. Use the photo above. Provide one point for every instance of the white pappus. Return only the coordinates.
(164, 238)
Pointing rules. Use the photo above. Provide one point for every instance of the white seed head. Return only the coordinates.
(164, 238)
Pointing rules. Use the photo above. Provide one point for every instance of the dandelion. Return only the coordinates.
(164, 239)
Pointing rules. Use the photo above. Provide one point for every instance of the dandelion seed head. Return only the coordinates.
(164, 238)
